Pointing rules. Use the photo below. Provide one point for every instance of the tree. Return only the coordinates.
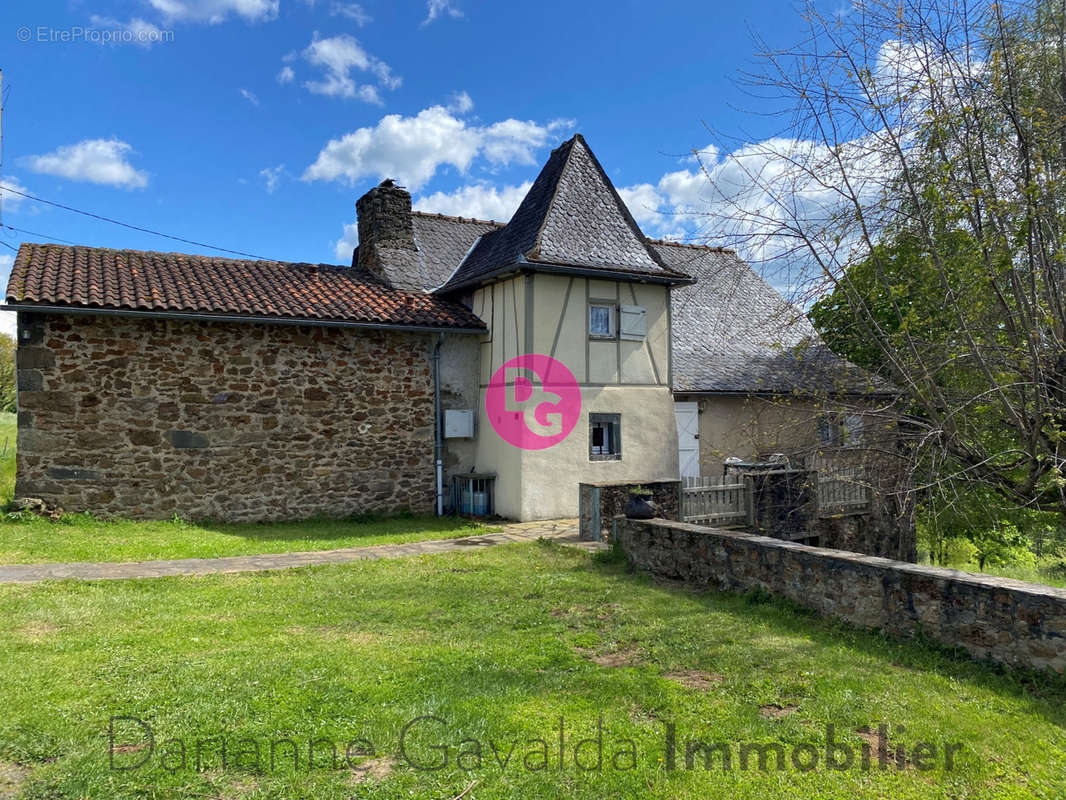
(7, 373)
(922, 195)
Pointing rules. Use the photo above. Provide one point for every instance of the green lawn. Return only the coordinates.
(1035, 574)
(498, 644)
(80, 537)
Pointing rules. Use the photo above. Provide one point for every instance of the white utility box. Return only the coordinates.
(458, 424)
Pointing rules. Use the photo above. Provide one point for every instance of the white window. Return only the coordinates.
(852, 430)
(601, 320)
(605, 437)
(632, 323)
(841, 430)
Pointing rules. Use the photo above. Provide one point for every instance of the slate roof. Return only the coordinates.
(443, 242)
(136, 280)
(571, 217)
(733, 333)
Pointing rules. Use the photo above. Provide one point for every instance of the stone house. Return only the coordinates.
(153, 384)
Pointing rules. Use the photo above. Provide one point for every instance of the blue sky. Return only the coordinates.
(255, 124)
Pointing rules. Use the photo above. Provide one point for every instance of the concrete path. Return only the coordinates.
(563, 531)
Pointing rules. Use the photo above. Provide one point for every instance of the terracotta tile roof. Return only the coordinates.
(135, 280)
(571, 217)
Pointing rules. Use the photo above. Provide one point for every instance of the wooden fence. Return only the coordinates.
(843, 490)
(725, 502)
(714, 501)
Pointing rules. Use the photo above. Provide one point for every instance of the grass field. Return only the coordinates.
(80, 537)
(498, 645)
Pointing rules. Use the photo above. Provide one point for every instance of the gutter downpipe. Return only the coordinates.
(438, 450)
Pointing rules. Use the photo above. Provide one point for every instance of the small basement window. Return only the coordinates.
(601, 320)
(605, 437)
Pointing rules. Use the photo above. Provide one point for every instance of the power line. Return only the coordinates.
(37, 233)
(132, 227)
(8, 246)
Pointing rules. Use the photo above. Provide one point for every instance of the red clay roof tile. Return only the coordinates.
(136, 280)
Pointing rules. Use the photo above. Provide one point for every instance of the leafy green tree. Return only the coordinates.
(7, 373)
(922, 196)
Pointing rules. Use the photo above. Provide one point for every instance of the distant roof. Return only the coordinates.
(141, 281)
(571, 217)
(733, 333)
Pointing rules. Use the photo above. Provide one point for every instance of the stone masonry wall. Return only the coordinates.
(1015, 623)
(147, 418)
(599, 503)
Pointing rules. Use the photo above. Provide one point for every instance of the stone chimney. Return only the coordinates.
(384, 217)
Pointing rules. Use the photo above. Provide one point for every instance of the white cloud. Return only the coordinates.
(410, 149)
(344, 246)
(514, 141)
(439, 8)
(413, 149)
(460, 103)
(477, 200)
(93, 160)
(753, 197)
(7, 318)
(250, 97)
(136, 31)
(353, 11)
(11, 202)
(338, 56)
(215, 11)
(286, 75)
(272, 176)
(643, 202)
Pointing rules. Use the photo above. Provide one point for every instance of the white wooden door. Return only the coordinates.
(688, 438)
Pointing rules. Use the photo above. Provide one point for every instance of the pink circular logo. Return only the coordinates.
(533, 401)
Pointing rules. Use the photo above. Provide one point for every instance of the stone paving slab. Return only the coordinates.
(563, 531)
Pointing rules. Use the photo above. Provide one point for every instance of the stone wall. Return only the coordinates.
(1012, 622)
(784, 506)
(599, 503)
(881, 532)
(148, 418)
(783, 503)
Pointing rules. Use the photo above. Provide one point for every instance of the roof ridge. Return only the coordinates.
(454, 218)
(84, 277)
(621, 206)
(710, 247)
(569, 144)
(183, 255)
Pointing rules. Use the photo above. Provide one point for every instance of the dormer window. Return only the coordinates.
(601, 320)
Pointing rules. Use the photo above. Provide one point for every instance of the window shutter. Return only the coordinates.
(632, 323)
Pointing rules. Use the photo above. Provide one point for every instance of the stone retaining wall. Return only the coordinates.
(147, 418)
(599, 503)
(1015, 623)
